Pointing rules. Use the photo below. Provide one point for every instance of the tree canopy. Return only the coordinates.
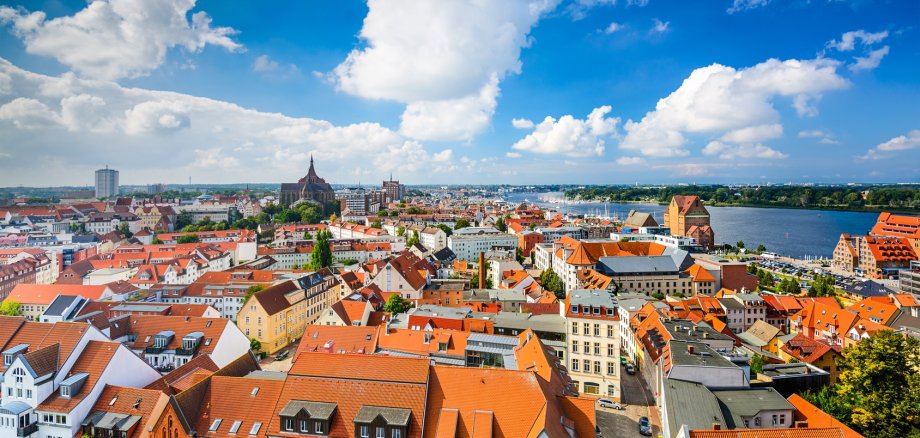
(461, 223)
(10, 308)
(397, 304)
(551, 282)
(878, 392)
(322, 253)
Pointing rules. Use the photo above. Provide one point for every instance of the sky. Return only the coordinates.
(460, 91)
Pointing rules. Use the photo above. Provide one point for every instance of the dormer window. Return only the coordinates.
(597, 310)
(65, 391)
(575, 309)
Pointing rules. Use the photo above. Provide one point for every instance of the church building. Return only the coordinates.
(310, 188)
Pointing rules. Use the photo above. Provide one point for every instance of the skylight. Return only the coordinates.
(255, 428)
(236, 426)
(215, 425)
(254, 391)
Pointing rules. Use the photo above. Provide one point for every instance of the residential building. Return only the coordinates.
(593, 342)
(106, 183)
(394, 190)
(168, 342)
(687, 216)
(819, 354)
(406, 273)
(894, 225)
(876, 257)
(277, 315)
(468, 242)
(34, 299)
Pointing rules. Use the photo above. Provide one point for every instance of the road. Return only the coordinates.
(625, 423)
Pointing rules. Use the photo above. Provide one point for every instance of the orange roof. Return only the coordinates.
(897, 225)
(820, 316)
(805, 349)
(890, 248)
(343, 366)
(244, 399)
(865, 326)
(874, 310)
(817, 418)
(906, 300)
(44, 294)
(516, 405)
(93, 360)
(144, 403)
(346, 339)
(588, 253)
(39, 335)
(700, 274)
(145, 327)
(413, 341)
(809, 432)
(185, 376)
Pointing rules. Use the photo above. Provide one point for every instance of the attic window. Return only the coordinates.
(147, 339)
(207, 341)
(208, 324)
(254, 391)
(214, 425)
(367, 337)
(315, 335)
(137, 404)
(255, 428)
(114, 399)
(575, 309)
(236, 426)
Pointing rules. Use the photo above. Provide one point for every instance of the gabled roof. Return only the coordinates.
(145, 327)
(274, 298)
(875, 310)
(343, 366)
(816, 418)
(94, 360)
(805, 349)
(144, 404)
(43, 361)
(334, 339)
(45, 293)
(38, 335)
(245, 400)
(185, 376)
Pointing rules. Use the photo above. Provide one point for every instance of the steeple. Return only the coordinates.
(312, 171)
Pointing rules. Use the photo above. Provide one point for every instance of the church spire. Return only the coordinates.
(312, 171)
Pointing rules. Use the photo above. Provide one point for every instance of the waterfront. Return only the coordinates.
(789, 232)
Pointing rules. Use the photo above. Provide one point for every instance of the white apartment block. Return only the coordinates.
(593, 342)
(467, 243)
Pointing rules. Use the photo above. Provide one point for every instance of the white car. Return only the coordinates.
(605, 403)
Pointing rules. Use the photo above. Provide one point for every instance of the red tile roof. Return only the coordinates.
(333, 339)
(46, 293)
(94, 359)
(370, 367)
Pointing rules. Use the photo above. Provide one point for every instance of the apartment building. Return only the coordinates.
(593, 342)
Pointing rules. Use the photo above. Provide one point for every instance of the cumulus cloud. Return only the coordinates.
(112, 39)
(445, 60)
(823, 137)
(156, 136)
(613, 27)
(736, 105)
(900, 143)
(870, 61)
(570, 136)
(522, 123)
(630, 161)
(727, 151)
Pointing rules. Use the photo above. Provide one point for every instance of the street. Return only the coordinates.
(637, 398)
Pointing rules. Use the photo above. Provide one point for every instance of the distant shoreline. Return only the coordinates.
(790, 207)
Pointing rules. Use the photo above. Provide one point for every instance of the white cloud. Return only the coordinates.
(27, 113)
(579, 9)
(739, 104)
(112, 39)
(450, 119)
(513, 155)
(613, 27)
(870, 61)
(522, 123)
(743, 5)
(823, 136)
(900, 143)
(630, 161)
(727, 151)
(849, 39)
(570, 136)
(266, 65)
(156, 136)
(444, 59)
(660, 27)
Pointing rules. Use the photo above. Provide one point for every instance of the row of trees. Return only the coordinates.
(903, 198)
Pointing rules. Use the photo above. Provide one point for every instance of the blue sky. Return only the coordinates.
(539, 91)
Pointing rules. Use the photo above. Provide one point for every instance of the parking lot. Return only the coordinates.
(625, 423)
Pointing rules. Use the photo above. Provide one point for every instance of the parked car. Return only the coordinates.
(597, 432)
(607, 403)
(623, 360)
(283, 355)
(630, 369)
(645, 427)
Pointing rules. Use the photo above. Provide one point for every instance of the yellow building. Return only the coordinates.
(277, 316)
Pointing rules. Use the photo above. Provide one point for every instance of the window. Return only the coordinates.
(597, 329)
(319, 427)
(236, 426)
(255, 428)
(597, 367)
(574, 345)
(215, 425)
(575, 364)
(611, 368)
(592, 388)
(304, 426)
(381, 432)
(587, 348)
(609, 349)
(575, 309)
(396, 433)
(597, 348)
(65, 391)
(587, 367)
(574, 327)
(363, 431)
(609, 330)
(587, 330)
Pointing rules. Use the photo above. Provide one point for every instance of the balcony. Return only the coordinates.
(185, 352)
(26, 431)
(154, 350)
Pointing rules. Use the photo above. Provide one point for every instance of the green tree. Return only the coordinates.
(348, 261)
(156, 241)
(188, 238)
(739, 244)
(551, 282)
(519, 255)
(413, 239)
(255, 345)
(10, 308)
(761, 248)
(397, 304)
(183, 220)
(376, 224)
(287, 215)
(400, 231)
(879, 386)
(252, 291)
(461, 223)
(500, 225)
(757, 363)
(447, 230)
(474, 280)
(125, 230)
(322, 253)
(823, 286)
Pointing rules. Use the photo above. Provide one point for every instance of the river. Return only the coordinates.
(790, 232)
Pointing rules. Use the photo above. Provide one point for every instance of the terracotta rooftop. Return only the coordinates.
(333, 339)
(93, 360)
(143, 403)
(238, 399)
(368, 367)
(46, 293)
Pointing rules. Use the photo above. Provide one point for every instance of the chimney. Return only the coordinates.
(716, 426)
(690, 349)
(482, 270)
